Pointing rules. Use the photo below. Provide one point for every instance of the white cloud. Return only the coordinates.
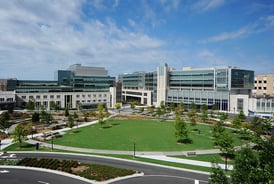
(261, 25)
(229, 35)
(170, 5)
(38, 36)
(206, 5)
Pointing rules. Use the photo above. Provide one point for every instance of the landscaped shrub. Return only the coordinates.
(89, 171)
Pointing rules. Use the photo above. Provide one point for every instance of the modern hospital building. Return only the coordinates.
(228, 88)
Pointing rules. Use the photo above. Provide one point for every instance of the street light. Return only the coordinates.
(134, 148)
(52, 142)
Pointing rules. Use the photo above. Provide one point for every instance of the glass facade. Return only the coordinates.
(242, 79)
(191, 79)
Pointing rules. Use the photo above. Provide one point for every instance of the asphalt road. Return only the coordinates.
(152, 173)
(25, 176)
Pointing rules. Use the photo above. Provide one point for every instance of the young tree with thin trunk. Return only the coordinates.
(181, 130)
(217, 175)
(100, 114)
(19, 134)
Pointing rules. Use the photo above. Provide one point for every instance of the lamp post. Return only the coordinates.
(134, 149)
(51, 142)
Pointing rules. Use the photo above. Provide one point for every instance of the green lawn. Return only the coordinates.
(207, 158)
(148, 135)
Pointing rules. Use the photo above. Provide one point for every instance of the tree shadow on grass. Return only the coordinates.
(116, 123)
(26, 146)
(185, 141)
(76, 131)
(106, 126)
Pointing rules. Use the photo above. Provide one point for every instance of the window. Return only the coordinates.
(24, 97)
(77, 96)
(37, 97)
(83, 96)
(2, 99)
(9, 99)
(51, 96)
(94, 95)
(265, 81)
(260, 81)
(58, 96)
(240, 104)
(45, 96)
(264, 88)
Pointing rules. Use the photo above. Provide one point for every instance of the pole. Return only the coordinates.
(134, 147)
(51, 143)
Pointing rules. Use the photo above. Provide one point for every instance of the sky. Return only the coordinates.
(38, 37)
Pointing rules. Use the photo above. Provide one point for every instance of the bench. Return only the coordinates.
(191, 153)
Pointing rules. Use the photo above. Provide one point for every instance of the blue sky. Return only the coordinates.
(38, 37)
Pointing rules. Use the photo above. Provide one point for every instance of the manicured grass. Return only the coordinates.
(207, 158)
(24, 147)
(148, 135)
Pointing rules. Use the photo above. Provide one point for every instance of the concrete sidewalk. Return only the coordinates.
(183, 161)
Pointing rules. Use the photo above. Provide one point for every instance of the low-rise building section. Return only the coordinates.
(78, 86)
(230, 89)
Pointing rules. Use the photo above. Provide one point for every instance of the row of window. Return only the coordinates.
(89, 95)
(264, 88)
(260, 81)
(6, 100)
(44, 97)
(59, 96)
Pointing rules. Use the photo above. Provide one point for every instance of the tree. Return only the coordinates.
(30, 105)
(4, 120)
(66, 112)
(100, 114)
(151, 109)
(223, 117)
(217, 175)
(241, 115)
(204, 114)
(181, 107)
(214, 107)
(75, 116)
(225, 143)
(246, 165)
(47, 117)
(53, 106)
(236, 122)
(18, 134)
(217, 131)
(70, 121)
(118, 106)
(172, 106)
(159, 112)
(132, 105)
(35, 117)
(163, 107)
(141, 109)
(266, 157)
(181, 130)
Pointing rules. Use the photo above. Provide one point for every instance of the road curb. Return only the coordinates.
(120, 159)
(71, 175)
